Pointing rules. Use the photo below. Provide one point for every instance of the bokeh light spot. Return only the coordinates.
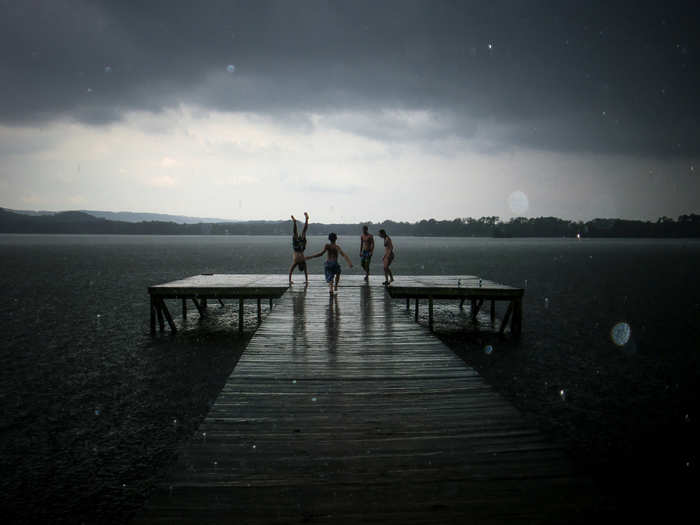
(620, 333)
(518, 202)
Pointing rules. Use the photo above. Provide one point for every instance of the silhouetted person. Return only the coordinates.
(331, 267)
(388, 257)
(299, 245)
(366, 250)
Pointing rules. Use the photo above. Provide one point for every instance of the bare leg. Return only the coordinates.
(337, 280)
(294, 222)
(391, 275)
(306, 225)
(290, 272)
(306, 274)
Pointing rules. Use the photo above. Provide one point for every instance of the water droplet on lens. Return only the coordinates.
(546, 302)
(518, 202)
(231, 68)
(687, 418)
(313, 399)
(97, 412)
(108, 69)
(562, 395)
(488, 349)
(620, 333)
(294, 381)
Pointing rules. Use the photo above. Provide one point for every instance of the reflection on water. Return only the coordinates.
(299, 336)
(332, 326)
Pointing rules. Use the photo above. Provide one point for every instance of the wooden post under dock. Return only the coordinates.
(199, 288)
(343, 410)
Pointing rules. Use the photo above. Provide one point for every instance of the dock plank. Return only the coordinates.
(343, 410)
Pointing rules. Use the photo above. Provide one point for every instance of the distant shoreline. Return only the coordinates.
(77, 222)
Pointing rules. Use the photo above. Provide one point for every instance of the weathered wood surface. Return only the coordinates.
(462, 287)
(451, 286)
(223, 286)
(344, 410)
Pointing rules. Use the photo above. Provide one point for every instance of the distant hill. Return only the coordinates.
(82, 222)
(130, 216)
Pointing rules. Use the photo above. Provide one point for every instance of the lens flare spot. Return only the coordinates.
(620, 333)
(518, 202)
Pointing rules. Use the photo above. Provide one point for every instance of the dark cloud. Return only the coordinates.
(569, 76)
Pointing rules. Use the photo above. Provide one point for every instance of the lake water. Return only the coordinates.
(92, 408)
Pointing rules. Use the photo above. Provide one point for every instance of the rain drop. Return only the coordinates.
(313, 399)
(562, 395)
(97, 412)
(488, 349)
(518, 202)
(231, 68)
(108, 69)
(620, 333)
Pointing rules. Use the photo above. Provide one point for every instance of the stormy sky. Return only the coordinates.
(354, 110)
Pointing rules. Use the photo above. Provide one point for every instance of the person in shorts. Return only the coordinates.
(366, 250)
(331, 267)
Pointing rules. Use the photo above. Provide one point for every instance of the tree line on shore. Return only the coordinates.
(80, 222)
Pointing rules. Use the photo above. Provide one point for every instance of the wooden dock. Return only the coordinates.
(343, 410)
(200, 288)
(463, 288)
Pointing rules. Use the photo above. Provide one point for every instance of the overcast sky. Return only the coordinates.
(351, 110)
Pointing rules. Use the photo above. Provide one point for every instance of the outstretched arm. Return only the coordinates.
(317, 254)
(343, 254)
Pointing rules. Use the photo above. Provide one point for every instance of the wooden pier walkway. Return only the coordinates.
(343, 410)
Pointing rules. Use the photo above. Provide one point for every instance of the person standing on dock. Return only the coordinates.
(331, 267)
(366, 250)
(388, 258)
(299, 245)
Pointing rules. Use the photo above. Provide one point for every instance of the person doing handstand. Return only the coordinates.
(331, 266)
(299, 245)
(366, 250)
